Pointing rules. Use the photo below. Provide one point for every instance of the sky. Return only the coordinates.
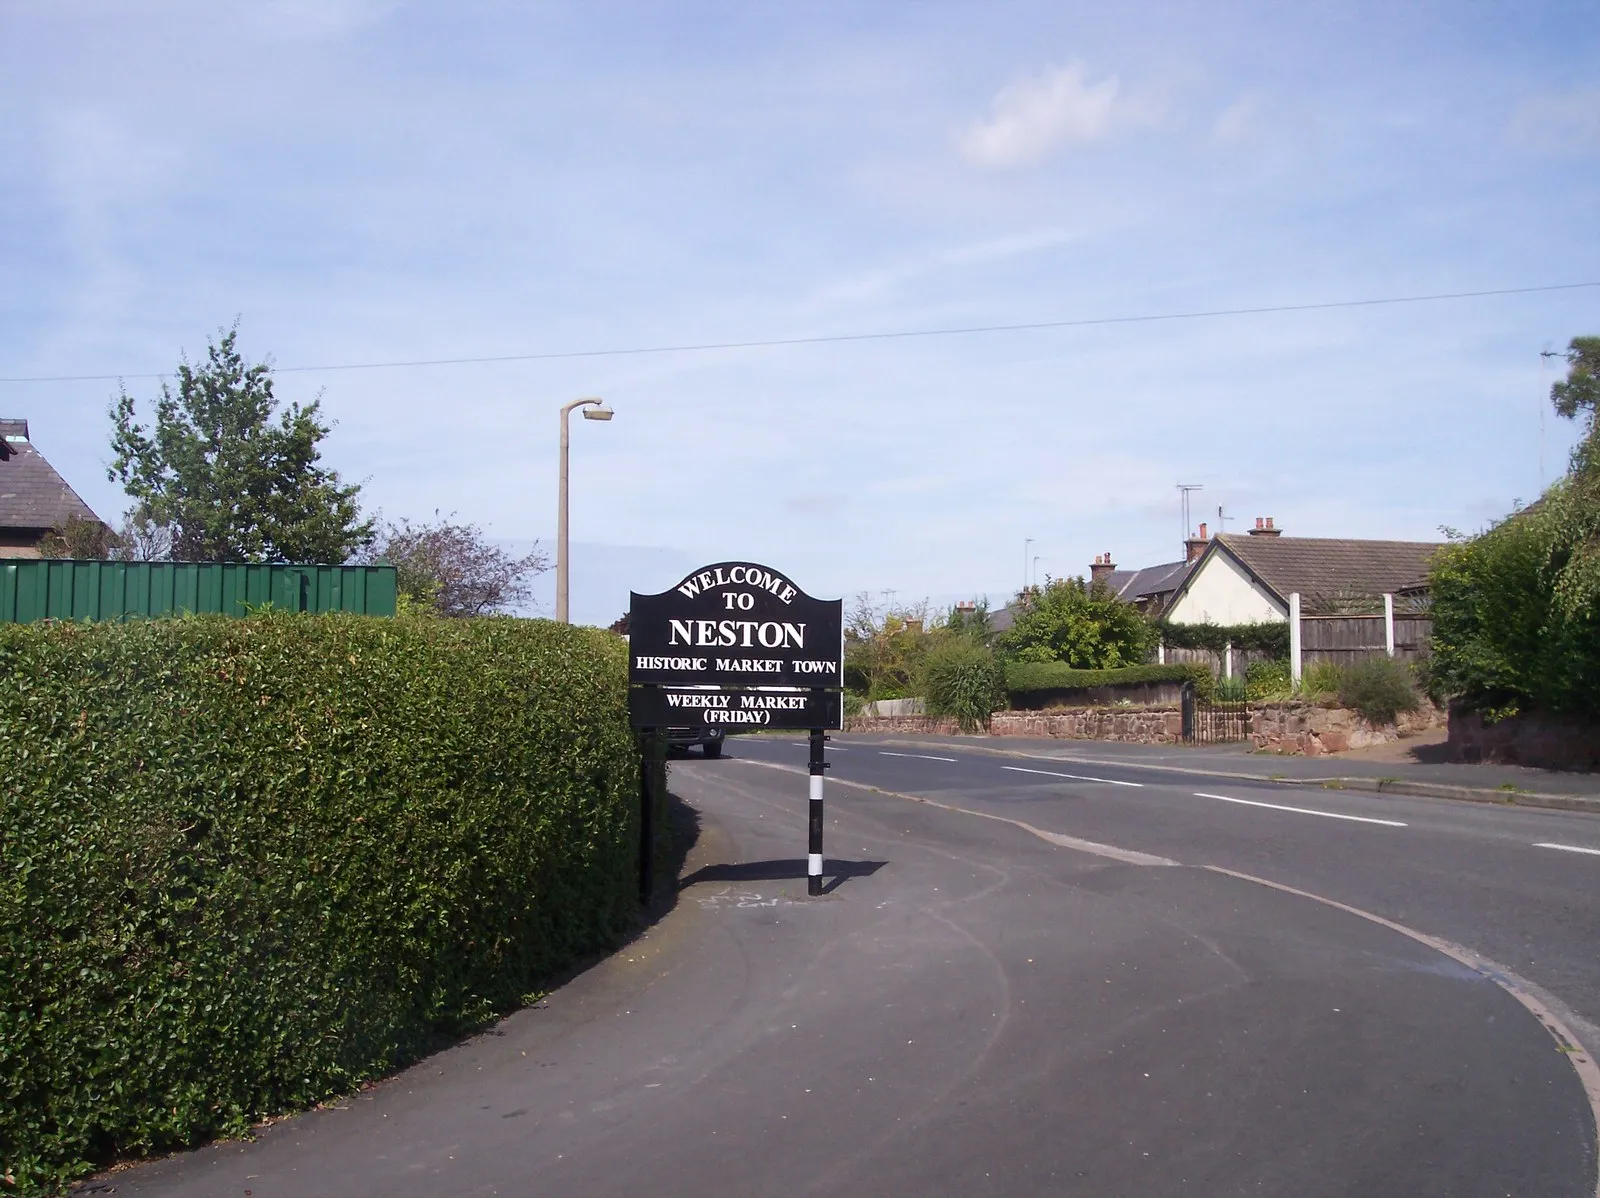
(359, 181)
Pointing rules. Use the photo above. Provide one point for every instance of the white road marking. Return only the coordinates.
(1357, 819)
(1569, 848)
(1017, 769)
(922, 756)
(805, 744)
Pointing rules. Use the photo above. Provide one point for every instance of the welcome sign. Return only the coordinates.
(739, 646)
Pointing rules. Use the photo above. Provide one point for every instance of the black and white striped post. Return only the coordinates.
(814, 856)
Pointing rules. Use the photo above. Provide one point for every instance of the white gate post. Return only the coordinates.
(1161, 653)
(1294, 639)
(1227, 660)
(1388, 624)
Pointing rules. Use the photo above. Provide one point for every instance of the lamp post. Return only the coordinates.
(1027, 550)
(593, 409)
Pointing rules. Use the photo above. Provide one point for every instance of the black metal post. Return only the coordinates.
(1186, 707)
(814, 855)
(647, 816)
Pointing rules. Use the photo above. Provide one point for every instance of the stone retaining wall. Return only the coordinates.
(1297, 728)
(1541, 741)
(1311, 730)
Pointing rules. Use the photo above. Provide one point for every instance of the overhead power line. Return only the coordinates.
(838, 338)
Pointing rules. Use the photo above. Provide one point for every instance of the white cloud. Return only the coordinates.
(1240, 123)
(1035, 117)
(1560, 122)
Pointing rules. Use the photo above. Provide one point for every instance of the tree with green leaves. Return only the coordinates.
(454, 570)
(1088, 628)
(225, 479)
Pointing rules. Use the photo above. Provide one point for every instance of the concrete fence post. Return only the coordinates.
(1161, 653)
(1388, 624)
(1294, 639)
(1227, 660)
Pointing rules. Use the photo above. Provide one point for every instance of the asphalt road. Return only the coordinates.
(980, 1009)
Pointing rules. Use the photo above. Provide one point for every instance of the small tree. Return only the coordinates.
(227, 482)
(961, 678)
(883, 648)
(1065, 620)
(454, 570)
(81, 540)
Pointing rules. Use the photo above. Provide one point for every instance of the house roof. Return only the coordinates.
(1152, 580)
(32, 494)
(1330, 565)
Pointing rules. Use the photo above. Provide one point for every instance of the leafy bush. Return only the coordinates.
(1025, 678)
(962, 679)
(1378, 687)
(1270, 638)
(246, 864)
(1232, 690)
(1321, 679)
(1268, 682)
(1086, 628)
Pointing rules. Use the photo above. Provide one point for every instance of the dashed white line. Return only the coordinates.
(1017, 769)
(921, 756)
(1569, 848)
(805, 744)
(1356, 819)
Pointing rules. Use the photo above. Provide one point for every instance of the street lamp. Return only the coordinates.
(593, 409)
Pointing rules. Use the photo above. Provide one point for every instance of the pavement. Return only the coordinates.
(1024, 979)
(1417, 770)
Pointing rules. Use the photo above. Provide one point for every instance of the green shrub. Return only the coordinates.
(247, 864)
(1321, 679)
(1268, 682)
(1270, 637)
(962, 679)
(1232, 690)
(1086, 627)
(1378, 687)
(1028, 678)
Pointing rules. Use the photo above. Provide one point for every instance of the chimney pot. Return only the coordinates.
(1258, 521)
(1202, 532)
(1269, 521)
(1102, 566)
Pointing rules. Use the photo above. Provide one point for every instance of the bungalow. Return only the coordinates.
(33, 498)
(1248, 579)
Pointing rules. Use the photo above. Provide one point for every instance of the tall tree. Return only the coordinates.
(227, 481)
(1086, 627)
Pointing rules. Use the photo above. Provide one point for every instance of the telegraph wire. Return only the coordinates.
(841, 338)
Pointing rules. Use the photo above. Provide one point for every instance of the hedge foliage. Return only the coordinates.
(1024, 678)
(247, 864)
(961, 678)
(1270, 638)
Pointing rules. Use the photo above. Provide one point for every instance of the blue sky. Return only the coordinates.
(357, 181)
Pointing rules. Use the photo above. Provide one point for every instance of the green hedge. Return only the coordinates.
(1270, 638)
(1025, 678)
(247, 864)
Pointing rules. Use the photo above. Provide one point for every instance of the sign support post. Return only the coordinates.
(814, 854)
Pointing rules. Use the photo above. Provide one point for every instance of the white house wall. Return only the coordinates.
(1221, 592)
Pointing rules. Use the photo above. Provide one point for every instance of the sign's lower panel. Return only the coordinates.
(734, 710)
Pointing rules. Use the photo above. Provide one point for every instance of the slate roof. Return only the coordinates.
(1332, 565)
(1134, 585)
(32, 495)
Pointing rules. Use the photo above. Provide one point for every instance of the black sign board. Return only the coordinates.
(733, 710)
(736, 646)
(736, 624)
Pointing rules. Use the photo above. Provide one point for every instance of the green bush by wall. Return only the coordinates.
(246, 864)
(1028, 678)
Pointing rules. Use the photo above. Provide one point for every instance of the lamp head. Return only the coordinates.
(600, 412)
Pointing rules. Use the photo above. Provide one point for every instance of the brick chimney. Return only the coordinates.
(1102, 566)
(1195, 546)
(1264, 528)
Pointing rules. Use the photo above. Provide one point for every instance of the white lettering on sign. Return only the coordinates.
(738, 717)
(745, 634)
(748, 576)
(815, 667)
(774, 702)
(675, 699)
(669, 663)
(750, 665)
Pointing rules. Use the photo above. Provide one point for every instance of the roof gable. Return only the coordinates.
(32, 494)
(1326, 565)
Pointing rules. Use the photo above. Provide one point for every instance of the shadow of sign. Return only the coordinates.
(777, 871)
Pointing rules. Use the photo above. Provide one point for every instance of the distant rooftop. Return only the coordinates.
(32, 495)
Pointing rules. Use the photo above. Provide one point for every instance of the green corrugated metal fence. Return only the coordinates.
(33, 589)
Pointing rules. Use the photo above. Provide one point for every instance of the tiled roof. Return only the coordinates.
(1152, 580)
(32, 494)
(1332, 565)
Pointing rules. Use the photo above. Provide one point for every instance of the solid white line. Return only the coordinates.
(1017, 769)
(1569, 848)
(922, 756)
(805, 744)
(1357, 819)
